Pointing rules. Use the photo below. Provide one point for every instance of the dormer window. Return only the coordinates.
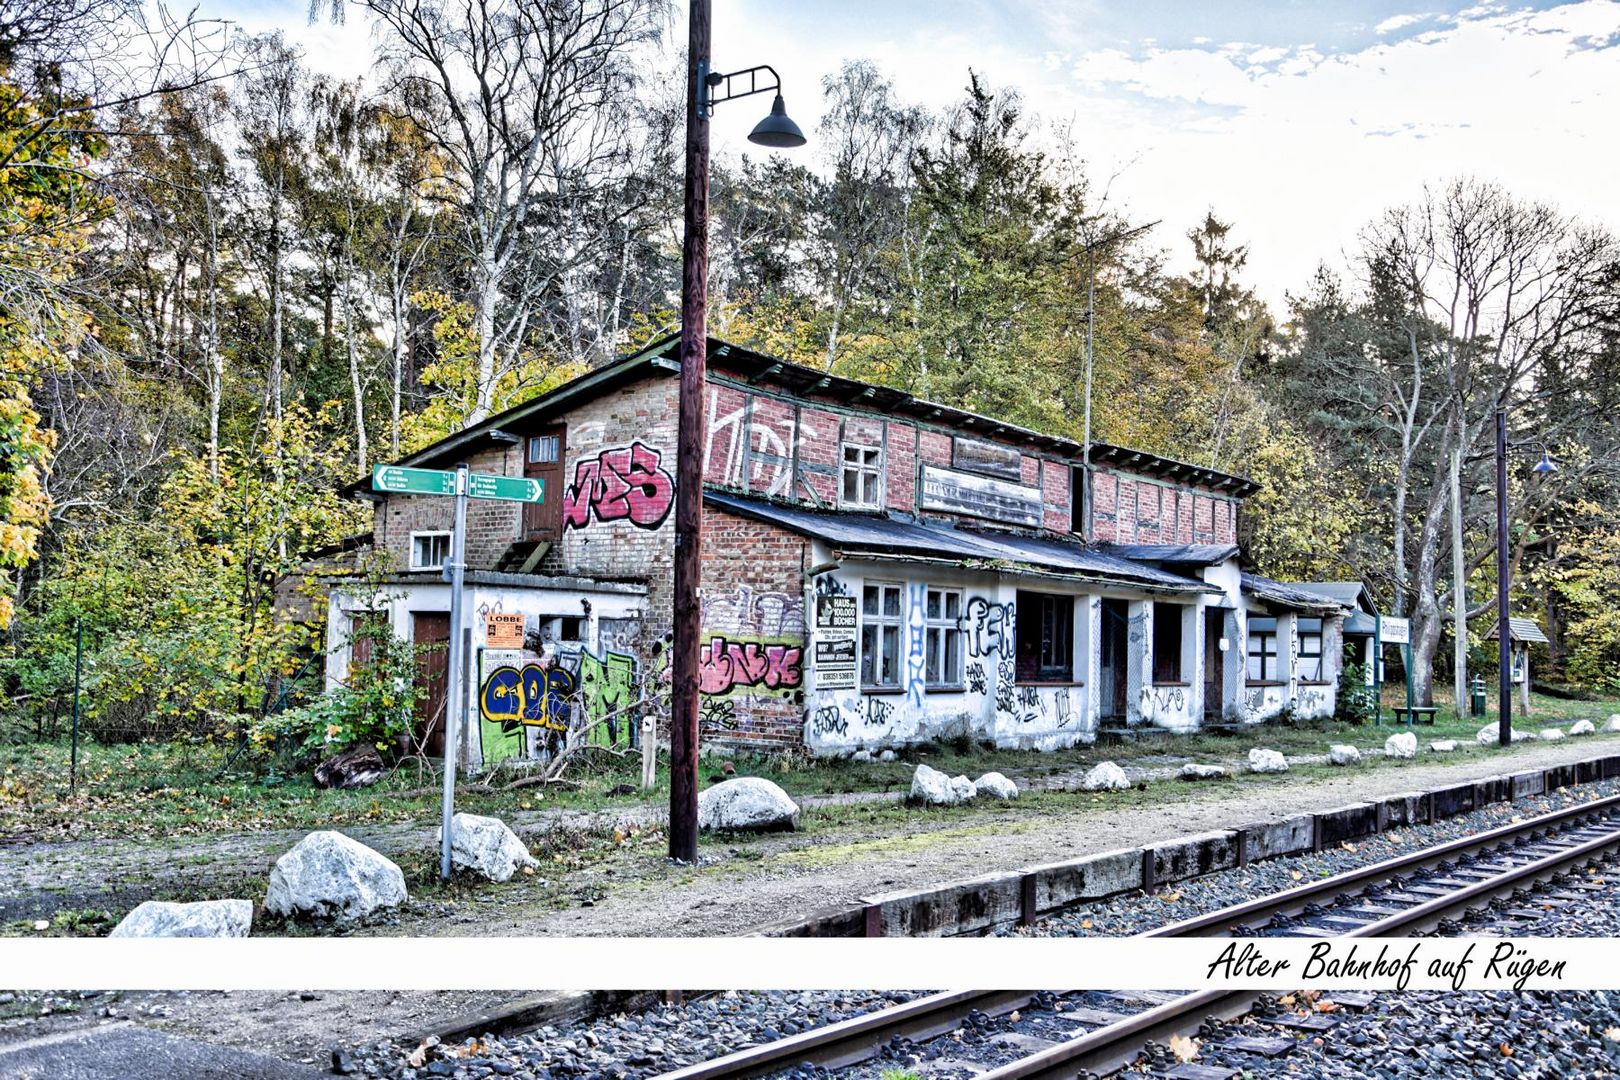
(863, 477)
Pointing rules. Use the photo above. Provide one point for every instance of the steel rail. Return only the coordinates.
(1114, 1046)
(858, 1038)
(1431, 913)
(1292, 901)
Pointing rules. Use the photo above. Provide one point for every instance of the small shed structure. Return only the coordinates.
(1522, 633)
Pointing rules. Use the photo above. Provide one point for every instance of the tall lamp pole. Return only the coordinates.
(1504, 632)
(703, 90)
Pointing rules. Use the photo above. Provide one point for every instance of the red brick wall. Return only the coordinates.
(753, 633)
(900, 478)
(491, 526)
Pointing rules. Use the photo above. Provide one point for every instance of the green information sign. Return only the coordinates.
(511, 488)
(397, 478)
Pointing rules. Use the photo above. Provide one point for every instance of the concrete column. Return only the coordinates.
(1138, 657)
(1288, 653)
(1091, 660)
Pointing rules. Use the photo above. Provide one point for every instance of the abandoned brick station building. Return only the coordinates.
(878, 570)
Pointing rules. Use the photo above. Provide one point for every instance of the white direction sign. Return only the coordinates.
(1393, 631)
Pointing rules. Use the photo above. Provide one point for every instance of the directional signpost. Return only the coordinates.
(400, 480)
(1398, 631)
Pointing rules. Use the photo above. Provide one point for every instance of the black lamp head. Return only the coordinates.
(777, 130)
(1545, 465)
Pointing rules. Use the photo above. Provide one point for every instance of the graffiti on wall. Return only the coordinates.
(987, 627)
(916, 637)
(759, 612)
(625, 484)
(829, 720)
(977, 681)
(574, 691)
(876, 712)
(744, 439)
(717, 714)
(727, 664)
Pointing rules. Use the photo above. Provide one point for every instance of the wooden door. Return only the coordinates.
(430, 632)
(544, 452)
(1115, 646)
(1214, 662)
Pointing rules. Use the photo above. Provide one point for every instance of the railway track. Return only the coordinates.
(1410, 895)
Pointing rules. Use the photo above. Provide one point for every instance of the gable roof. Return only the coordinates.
(759, 369)
(1521, 630)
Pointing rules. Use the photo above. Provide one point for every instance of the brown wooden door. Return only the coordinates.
(1214, 662)
(543, 455)
(430, 632)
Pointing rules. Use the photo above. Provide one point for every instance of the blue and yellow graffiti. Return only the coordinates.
(532, 695)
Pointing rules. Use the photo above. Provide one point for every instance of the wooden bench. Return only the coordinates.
(1417, 714)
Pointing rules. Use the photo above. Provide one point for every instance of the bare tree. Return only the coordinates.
(527, 103)
(1490, 289)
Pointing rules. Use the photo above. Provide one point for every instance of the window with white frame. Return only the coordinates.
(429, 550)
(1263, 665)
(881, 620)
(943, 641)
(543, 449)
(863, 473)
(1310, 650)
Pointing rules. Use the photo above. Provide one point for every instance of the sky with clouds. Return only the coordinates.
(1298, 121)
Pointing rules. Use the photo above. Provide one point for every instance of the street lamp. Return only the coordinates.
(1504, 674)
(704, 90)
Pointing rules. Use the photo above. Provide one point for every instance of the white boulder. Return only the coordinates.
(1443, 746)
(1582, 727)
(930, 786)
(1343, 754)
(329, 875)
(1263, 760)
(1106, 777)
(1402, 745)
(486, 847)
(887, 755)
(996, 786)
(1194, 771)
(1551, 734)
(202, 919)
(1487, 735)
(1612, 724)
(862, 754)
(749, 803)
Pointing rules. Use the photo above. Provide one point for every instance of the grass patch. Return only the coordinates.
(176, 791)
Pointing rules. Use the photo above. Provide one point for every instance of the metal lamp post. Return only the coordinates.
(1504, 644)
(704, 89)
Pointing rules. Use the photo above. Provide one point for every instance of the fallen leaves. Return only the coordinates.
(1183, 1048)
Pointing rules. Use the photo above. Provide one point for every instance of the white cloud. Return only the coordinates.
(1398, 22)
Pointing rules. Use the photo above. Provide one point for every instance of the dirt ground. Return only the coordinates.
(740, 884)
(294, 1026)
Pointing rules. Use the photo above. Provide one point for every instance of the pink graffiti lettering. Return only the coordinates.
(627, 484)
(724, 665)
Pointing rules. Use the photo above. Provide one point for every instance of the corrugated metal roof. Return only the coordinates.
(1195, 554)
(878, 535)
(1525, 630)
(1289, 597)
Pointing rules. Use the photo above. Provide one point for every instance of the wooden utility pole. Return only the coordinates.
(1459, 589)
(684, 675)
